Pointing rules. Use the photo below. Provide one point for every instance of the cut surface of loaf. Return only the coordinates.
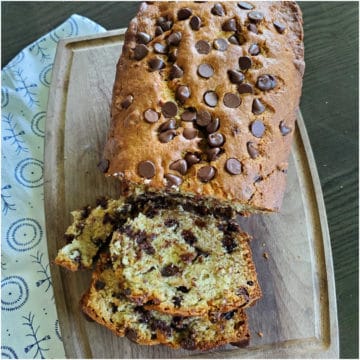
(204, 102)
(92, 228)
(180, 263)
(105, 303)
(89, 231)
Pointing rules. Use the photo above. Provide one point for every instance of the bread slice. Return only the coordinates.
(89, 231)
(92, 227)
(204, 102)
(105, 303)
(180, 263)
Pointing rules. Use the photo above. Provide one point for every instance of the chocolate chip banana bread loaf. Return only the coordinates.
(179, 263)
(105, 303)
(204, 102)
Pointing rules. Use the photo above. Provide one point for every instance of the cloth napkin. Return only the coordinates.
(29, 326)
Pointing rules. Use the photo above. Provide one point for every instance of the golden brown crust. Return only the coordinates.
(131, 139)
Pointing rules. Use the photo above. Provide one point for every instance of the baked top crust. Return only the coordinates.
(204, 101)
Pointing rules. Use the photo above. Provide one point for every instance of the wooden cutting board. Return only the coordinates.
(297, 315)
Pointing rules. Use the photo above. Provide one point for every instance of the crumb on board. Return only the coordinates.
(266, 255)
(260, 334)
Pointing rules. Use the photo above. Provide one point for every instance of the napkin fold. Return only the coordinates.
(29, 326)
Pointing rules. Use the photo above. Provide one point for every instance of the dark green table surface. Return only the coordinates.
(329, 105)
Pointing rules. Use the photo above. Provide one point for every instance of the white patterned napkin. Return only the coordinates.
(29, 326)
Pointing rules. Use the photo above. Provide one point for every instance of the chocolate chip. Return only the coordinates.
(190, 133)
(166, 25)
(127, 102)
(156, 64)
(216, 139)
(170, 270)
(229, 244)
(189, 237)
(171, 223)
(206, 173)
(250, 283)
(172, 56)
(143, 37)
(169, 109)
(233, 166)
(220, 44)
(284, 129)
(257, 128)
(188, 343)
(177, 301)
(146, 169)
(192, 159)
(99, 285)
(202, 47)
(218, 10)
(245, 88)
(213, 153)
(252, 150)
(211, 98)
(231, 100)
(173, 180)
(85, 212)
(131, 334)
(255, 16)
(205, 70)
(195, 23)
(168, 125)
(182, 93)
(279, 27)
(245, 5)
(203, 118)
(252, 28)
(229, 25)
(183, 289)
(160, 48)
(103, 165)
(176, 72)
(234, 40)
(229, 315)
(257, 107)
(245, 63)
(167, 136)
(158, 31)
(254, 49)
(174, 38)
(266, 82)
(69, 238)
(179, 166)
(213, 126)
(184, 13)
(188, 115)
(151, 116)
(236, 77)
(140, 51)
(102, 202)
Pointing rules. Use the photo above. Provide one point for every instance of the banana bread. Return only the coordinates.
(105, 303)
(204, 102)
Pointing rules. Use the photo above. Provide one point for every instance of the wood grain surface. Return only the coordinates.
(297, 314)
(329, 105)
